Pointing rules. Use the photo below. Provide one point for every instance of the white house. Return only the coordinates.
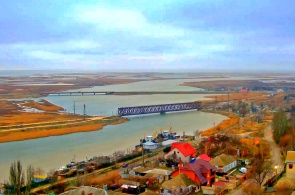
(181, 151)
(224, 162)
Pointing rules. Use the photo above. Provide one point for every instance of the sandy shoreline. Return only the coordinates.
(34, 134)
(18, 122)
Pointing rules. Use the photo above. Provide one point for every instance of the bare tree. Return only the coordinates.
(39, 171)
(252, 189)
(30, 172)
(16, 177)
(261, 169)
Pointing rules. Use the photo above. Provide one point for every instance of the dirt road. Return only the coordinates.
(275, 157)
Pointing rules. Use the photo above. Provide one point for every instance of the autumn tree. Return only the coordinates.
(261, 169)
(280, 125)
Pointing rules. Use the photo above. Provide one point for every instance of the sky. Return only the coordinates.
(226, 35)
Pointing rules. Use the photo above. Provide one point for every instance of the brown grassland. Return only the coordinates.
(16, 125)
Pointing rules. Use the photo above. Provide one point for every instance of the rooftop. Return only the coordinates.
(179, 181)
(290, 156)
(185, 148)
(222, 160)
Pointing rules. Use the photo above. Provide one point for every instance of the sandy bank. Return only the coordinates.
(224, 125)
(39, 131)
(28, 119)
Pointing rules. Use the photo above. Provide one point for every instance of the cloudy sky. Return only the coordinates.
(148, 34)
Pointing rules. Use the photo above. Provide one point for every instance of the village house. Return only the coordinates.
(159, 174)
(39, 178)
(181, 151)
(290, 164)
(244, 90)
(179, 185)
(224, 163)
(199, 171)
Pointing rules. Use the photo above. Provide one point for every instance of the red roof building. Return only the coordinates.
(205, 157)
(244, 90)
(200, 171)
(181, 151)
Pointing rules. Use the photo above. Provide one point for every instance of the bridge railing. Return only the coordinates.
(125, 111)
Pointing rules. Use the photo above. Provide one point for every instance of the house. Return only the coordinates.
(39, 178)
(199, 171)
(141, 171)
(181, 151)
(224, 162)
(159, 174)
(290, 164)
(244, 90)
(180, 184)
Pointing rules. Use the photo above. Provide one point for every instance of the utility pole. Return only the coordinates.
(228, 99)
(215, 102)
(84, 111)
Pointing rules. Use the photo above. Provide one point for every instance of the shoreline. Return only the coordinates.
(58, 125)
(91, 125)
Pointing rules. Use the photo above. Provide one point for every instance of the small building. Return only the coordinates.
(224, 163)
(141, 171)
(290, 164)
(199, 171)
(160, 174)
(179, 185)
(244, 90)
(39, 178)
(181, 151)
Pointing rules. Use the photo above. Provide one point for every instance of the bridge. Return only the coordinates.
(162, 108)
(78, 93)
(75, 93)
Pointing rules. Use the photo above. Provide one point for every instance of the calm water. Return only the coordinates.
(53, 152)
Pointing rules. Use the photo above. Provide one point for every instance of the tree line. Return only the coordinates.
(20, 180)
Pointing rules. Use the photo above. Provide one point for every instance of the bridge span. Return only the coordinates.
(162, 108)
(75, 93)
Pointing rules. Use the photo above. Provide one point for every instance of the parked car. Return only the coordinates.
(243, 170)
(125, 165)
